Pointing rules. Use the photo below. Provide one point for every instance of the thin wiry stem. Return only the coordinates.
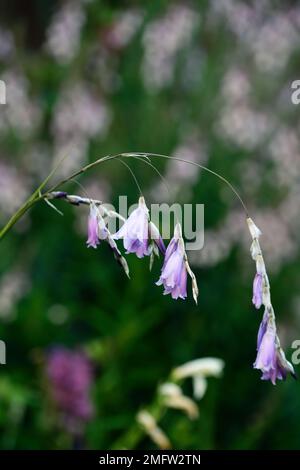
(147, 155)
(38, 196)
(158, 172)
(133, 175)
(203, 167)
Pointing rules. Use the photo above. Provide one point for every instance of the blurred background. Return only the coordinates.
(209, 81)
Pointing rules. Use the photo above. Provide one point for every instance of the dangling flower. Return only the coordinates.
(136, 232)
(97, 230)
(258, 290)
(270, 358)
(281, 368)
(199, 370)
(93, 238)
(266, 355)
(175, 268)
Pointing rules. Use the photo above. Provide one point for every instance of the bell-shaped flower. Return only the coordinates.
(266, 354)
(135, 231)
(199, 370)
(280, 370)
(93, 227)
(140, 236)
(174, 274)
(175, 269)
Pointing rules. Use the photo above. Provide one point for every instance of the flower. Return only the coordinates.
(266, 355)
(270, 358)
(137, 232)
(134, 231)
(207, 366)
(69, 375)
(283, 366)
(174, 273)
(93, 237)
(97, 230)
(280, 370)
(175, 268)
(199, 370)
(174, 398)
(257, 298)
(150, 427)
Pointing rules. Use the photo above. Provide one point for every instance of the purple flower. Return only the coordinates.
(136, 232)
(174, 271)
(270, 358)
(257, 298)
(93, 238)
(281, 368)
(266, 355)
(70, 376)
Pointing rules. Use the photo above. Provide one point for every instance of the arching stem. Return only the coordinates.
(38, 196)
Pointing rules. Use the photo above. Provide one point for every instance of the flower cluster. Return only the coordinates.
(142, 237)
(70, 376)
(270, 358)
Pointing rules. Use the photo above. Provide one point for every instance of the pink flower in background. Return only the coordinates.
(70, 378)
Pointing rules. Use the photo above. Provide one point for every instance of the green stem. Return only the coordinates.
(15, 217)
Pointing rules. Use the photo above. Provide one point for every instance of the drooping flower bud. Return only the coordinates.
(175, 269)
(93, 230)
